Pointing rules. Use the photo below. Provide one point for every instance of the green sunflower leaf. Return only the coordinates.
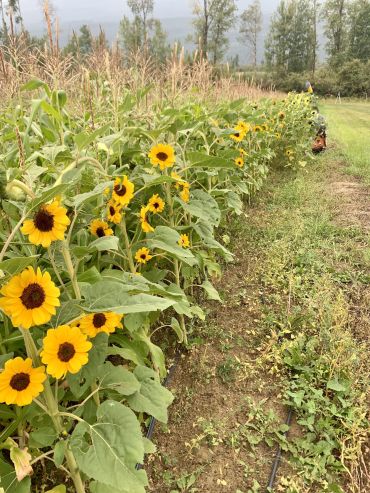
(109, 450)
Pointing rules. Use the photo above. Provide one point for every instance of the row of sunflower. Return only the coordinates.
(107, 238)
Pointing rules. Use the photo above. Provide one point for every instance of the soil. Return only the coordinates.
(209, 405)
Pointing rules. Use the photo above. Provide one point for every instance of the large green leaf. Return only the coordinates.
(81, 381)
(112, 296)
(200, 160)
(47, 195)
(33, 84)
(96, 487)
(211, 291)
(117, 378)
(84, 139)
(109, 450)
(138, 284)
(152, 398)
(97, 192)
(166, 239)
(9, 482)
(14, 265)
(204, 207)
(105, 243)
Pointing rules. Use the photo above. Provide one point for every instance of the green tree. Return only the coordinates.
(314, 44)
(290, 43)
(336, 30)
(15, 8)
(131, 34)
(143, 32)
(4, 28)
(142, 10)
(158, 44)
(251, 26)
(213, 18)
(81, 44)
(359, 30)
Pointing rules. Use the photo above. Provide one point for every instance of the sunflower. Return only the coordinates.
(238, 134)
(142, 256)
(20, 383)
(245, 127)
(258, 128)
(156, 204)
(281, 115)
(123, 191)
(48, 224)
(114, 212)
(278, 135)
(100, 228)
(243, 152)
(184, 241)
(65, 350)
(185, 192)
(239, 161)
(265, 127)
(30, 298)
(162, 155)
(95, 323)
(145, 226)
(289, 152)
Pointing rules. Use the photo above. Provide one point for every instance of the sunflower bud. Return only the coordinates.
(14, 192)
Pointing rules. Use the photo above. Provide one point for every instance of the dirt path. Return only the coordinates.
(353, 199)
(227, 381)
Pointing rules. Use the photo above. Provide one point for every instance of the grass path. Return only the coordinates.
(292, 329)
(349, 125)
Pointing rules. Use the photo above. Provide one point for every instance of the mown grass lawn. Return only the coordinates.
(349, 127)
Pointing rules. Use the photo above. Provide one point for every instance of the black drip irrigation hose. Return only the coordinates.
(166, 382)
(276, 463)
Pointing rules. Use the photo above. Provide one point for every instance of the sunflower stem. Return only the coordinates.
(10, 237)
(127, 245)
(71, 270)
(95, 393)
(53, 410)
(176, 262)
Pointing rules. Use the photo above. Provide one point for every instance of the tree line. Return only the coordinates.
(291, 45)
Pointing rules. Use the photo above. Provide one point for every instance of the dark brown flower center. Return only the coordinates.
(120, 190)
(33, 296)
(20, 381)
(156, 205)
(237, 134)
(143, 256)
(112, 210)
(66, 352)
(44, 221)
(162, 156)
(100, 232)
(99, 320)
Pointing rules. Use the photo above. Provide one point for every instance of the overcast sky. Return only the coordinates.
(111, 10)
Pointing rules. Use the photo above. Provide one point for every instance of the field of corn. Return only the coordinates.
(109, 215)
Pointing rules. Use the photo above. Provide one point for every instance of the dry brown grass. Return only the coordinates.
(173, 80)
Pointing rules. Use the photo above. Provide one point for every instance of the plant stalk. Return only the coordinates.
(53, 411)
(71, 270)
(127, 245)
